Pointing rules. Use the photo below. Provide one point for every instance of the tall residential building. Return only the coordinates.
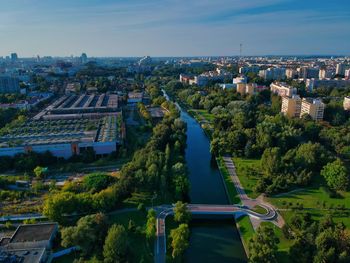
(325, 74)
(243, 88)
(273, 73)
(308, 73)
(347, 74)
(14, 57)
(340, 69)
(9, 84)
(83, 58)
(246, 70)
(282, 89)
(291, 73)
(346, 103)
(313, 107)
(291, 106)
(329, 83)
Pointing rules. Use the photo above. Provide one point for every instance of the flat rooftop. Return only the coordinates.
(156, 112)
(60, 131)
(81, 104)
(34, 233)
(33, 255)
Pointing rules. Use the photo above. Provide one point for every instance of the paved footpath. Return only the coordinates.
(247, 201)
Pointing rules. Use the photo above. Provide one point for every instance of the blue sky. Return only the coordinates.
(174, 27)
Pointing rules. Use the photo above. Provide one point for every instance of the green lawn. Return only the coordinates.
(317, 201)
(259, 209)
(202, 115)
(246, 229)
(233, 197)
(248, 181)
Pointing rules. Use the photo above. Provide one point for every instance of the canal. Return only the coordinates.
(214, 240)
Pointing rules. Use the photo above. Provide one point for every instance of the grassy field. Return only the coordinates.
(202, 115)
(246, 229)
(247, 181)
(317, 201)
(232, 194)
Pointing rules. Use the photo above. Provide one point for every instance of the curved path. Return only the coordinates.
(203, 209)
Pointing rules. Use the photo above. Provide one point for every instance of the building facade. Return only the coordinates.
(9, 85)
(282, 89)
(346, 103)
(313, 107)
(291, 106)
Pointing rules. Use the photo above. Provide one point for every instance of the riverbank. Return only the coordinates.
(219, 240)
(243, 229)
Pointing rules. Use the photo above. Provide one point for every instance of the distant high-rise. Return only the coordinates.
(291, 73)
(308, 73)
(340, 69)
(145, 61)
(83, 58)
(9, 84)
(325, 74)
(14, 57)
(347, 74)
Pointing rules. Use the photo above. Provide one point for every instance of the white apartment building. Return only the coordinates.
(313, 107)
(291, 106)
(346, 103)
(347, 74)
(340, 70)
(325, 74)
(282, 89)
(273, 73)
(291, 73)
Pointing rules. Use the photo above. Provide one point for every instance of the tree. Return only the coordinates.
(271, 160)
(116, 244)
(88, 234)
(95, 182)
(151, 224)
(39, 171)
(336, 176)
(179, 240)
(181, 213)
(57, 204)
(263, 246)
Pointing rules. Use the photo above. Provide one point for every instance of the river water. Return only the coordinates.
(214, 240)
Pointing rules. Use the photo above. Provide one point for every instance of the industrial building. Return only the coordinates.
(69, 126)
(29, 244)
(80, 106)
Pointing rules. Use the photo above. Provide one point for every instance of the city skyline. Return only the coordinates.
(174, 28)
